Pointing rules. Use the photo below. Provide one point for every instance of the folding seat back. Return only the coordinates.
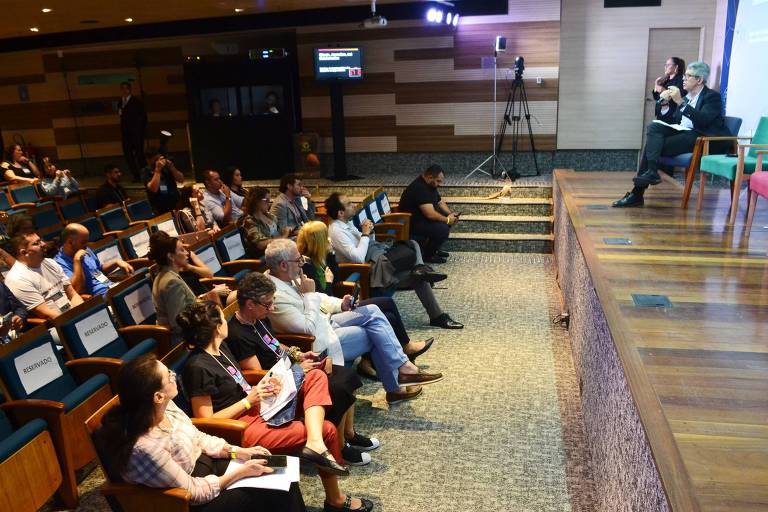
(139, 210)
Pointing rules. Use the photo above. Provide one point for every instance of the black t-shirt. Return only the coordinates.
(107, 194)
(20, 170)
(214, 376)
(247, 341)
(167, 196)
(417, 193)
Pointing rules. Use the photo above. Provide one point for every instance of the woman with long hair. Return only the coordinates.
(233, 178)
(154, 443)
(17, 167)
(192, 214)
(259, 225)
(215, 385)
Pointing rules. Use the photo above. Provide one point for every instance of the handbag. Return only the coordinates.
(402, 256)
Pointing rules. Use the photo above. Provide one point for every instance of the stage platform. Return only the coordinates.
(675, 397)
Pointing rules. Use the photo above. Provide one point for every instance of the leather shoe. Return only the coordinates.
(445, 322)
(427, 344)
(435, 258)
(366, 369)
(366, 506)
(630, 200)
(420, 379)
(426, 274)
(648, 178)
(410, 393)
(324, 461)
(443, 254)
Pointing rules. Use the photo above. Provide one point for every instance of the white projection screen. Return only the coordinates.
(748, 75)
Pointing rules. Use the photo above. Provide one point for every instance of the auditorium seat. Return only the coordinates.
(758, 186)
(735, 169)
(95, 231)
(28, 463)
(41, 386)
(139, 210)
(231, 251)
(130, 497)
(115, 220)
(135, 243)
(45, 216)
(164, 222)
(108, 249)
(95, 345)
(24, 195)
(6, 205)
(72, 207)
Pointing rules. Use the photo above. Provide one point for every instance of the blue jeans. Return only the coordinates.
(366, 329)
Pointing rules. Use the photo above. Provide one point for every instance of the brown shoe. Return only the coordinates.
(420, 378)
(410, 393)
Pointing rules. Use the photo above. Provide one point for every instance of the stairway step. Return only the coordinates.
(539, 224)
(499, 242)
(323, 190)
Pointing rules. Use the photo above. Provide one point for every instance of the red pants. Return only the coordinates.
(292, 436)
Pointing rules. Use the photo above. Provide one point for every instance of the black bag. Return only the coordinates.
(402, 256)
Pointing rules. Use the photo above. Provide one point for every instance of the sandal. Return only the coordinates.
(365, 506)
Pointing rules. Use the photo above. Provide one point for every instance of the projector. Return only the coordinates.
(375, 22)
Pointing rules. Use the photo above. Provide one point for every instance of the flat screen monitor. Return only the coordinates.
(338, 64)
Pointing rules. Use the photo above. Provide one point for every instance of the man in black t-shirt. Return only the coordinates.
(111, 191)
(431, 218)
(160, 178)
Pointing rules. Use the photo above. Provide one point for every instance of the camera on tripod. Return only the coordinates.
(519, 67)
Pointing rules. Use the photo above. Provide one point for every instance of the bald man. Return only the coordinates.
(81, 264)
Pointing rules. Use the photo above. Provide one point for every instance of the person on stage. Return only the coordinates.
(700, 112)
(672, 77)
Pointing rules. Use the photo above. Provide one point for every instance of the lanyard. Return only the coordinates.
(237, 376)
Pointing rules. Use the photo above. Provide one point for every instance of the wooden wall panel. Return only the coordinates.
(467, 91)
(96, 60)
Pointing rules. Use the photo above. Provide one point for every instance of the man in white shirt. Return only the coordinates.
(347, 332)
(219, 200)
(353, 246)
(39, 282)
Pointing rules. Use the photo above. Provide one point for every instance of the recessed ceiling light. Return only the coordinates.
(238, 9)
(46, 10)
(34, 29)
(129, 20)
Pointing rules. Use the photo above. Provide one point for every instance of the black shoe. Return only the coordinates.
(427, 345)
(435, 259)
(354, 457)
(426, 274)
(366, 506)
(363, 443)
(446, 322)
(443, 254)
(647, 178)
(630, 200)
(324, 461)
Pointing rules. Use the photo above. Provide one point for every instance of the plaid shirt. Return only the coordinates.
(166, 459)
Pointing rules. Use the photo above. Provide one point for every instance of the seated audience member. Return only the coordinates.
(153, 443)
(39, 282)
(57, 183)
(392, 265)
(293, 207)
(193, 215)
(17, 167)
(170, 292)
(111, 191)
(348, 332)
(160, 178)
(233, 178)
(700, 113)
(255, 347)
(10, 304)
(431, 217)
(81, 264)
(216, 387)
(259, 225)
(672, 77)
(321, 267)
(218, 199)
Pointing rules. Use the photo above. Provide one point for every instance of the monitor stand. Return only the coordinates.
(339, 140)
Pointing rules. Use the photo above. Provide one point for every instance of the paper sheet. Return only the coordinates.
(677, 127)
(280, 480)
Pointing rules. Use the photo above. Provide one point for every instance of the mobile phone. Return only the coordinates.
(7, 319)
(273, 461)
(355, 295)
(322, 355)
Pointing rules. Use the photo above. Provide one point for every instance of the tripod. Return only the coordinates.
(494, 158)
(515, 111)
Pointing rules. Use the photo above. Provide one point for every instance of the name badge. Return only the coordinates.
(100, 277)
(163, 189)
(60, 300)
(239, 379)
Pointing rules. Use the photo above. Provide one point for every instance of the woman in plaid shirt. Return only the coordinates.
(155, 444)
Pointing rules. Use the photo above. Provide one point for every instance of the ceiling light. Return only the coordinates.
(439, 16)
(129, 20)
(34, 29)
(456, 20)
(46, 10)
(449, 19)
(431, 15)
(238, 9)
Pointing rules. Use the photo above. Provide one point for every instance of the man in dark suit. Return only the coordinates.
(699, 113)
(133, 126)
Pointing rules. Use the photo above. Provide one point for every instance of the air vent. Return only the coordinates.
(88, 22)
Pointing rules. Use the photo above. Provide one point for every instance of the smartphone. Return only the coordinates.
(322, 355)
(355, 295)
(273, 461)
(7, 319)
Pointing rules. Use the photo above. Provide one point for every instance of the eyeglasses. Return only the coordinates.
(266, 306)
(301, 261)
(688, 77)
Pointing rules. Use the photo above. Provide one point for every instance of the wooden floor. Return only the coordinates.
(698, 371)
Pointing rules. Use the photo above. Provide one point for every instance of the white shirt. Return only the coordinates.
(348, 242)
(43, 285)
(215, 204)
(686, 121)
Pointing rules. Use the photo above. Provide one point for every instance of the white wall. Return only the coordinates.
(603, 55)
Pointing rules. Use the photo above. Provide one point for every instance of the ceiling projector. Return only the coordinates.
(374, 21)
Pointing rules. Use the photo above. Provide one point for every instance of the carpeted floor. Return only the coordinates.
(503, 430)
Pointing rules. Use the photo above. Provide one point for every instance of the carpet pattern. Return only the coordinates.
(502, 431)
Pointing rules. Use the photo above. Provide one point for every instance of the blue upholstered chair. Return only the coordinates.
(135, 243)
(131, 301)
(40, 385)
(139, 210)
(24, 195)
(72, 207)
(5, 203)
(44, 216)
(231, 251)
(109, 248)
(736, 169)
(95, 231)
(28, 463)
(115, 220)
(164, 222)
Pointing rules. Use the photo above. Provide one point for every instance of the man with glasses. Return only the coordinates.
(345, 331)
(699, 113)
(293, 207)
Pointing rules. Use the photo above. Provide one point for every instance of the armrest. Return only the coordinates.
(346, 269)
(23, 411)
(144, 223)
(230, 430)
(383, 228)
(210, 282)
(36, 321)
(169, 500)
(24, 205)
(139, 262)
(396, 217)
(254, 376)
(730, 137)
(86, 296)
(135, 334)
(233, 267)
(303, 341)
(86, 367)
(753, 145)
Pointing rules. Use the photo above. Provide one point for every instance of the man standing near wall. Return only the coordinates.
(133, 127)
